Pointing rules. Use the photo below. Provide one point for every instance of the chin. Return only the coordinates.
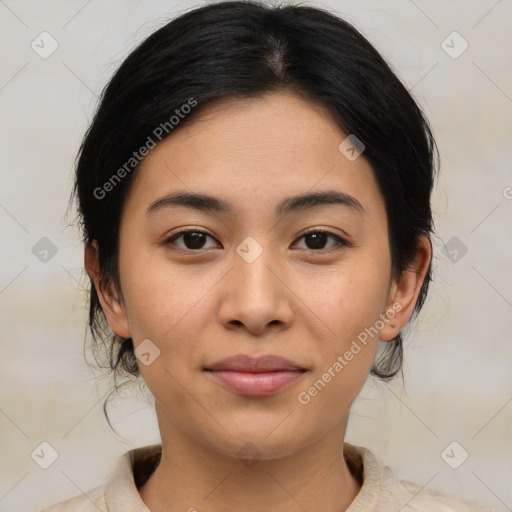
(253, 444)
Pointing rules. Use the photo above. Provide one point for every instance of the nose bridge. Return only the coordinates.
(257, 296)
(253, 264)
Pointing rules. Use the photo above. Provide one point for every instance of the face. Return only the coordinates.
(256, 272)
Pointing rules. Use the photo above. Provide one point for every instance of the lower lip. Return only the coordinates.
(256, 384)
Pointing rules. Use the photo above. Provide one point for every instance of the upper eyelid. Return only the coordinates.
(189, 230)
(341, 239)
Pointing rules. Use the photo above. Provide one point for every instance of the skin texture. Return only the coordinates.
(300, 302)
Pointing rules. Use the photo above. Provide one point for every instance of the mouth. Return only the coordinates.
(262, 376)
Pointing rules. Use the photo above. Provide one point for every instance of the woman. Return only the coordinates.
(254, 193)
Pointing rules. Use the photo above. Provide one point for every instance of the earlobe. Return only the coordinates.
(405, 290)
(111, 303)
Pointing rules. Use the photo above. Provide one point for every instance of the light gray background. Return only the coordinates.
(458, 379)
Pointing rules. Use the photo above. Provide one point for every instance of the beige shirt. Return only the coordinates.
(380, 491)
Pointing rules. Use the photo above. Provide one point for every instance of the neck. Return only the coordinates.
(191, 477)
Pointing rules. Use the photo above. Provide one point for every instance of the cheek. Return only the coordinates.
(350, 307)
(354, 297)
(159, 297)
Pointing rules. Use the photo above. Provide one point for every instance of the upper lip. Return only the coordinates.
(245, 363)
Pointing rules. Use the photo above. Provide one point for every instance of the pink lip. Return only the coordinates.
(260, 376)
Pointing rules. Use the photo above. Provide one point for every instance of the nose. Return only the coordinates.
(256, 296)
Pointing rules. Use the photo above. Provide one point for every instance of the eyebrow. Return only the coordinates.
(207, 203)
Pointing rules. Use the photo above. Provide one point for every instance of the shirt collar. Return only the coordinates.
(121, 491)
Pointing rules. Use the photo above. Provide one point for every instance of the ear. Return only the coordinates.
(111, 303)
(404, 291)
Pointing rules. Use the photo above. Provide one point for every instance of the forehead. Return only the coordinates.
(248, 150)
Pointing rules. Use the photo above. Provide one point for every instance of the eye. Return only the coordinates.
(193, 239)
(317, 238)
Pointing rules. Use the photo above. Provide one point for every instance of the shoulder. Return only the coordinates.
(414, 497)
(92, 501)
(381, 491)
(120, 492)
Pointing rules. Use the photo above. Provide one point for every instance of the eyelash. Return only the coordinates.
(341, 242)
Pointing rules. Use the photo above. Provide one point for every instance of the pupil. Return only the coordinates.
(193, 240)
(318, 240)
